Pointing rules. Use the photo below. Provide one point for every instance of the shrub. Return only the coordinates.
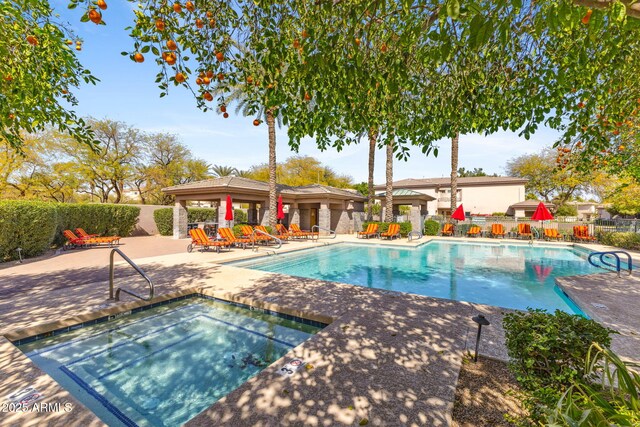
(164, 221)
(567, 210)
(547, 353)
(105, 220)
(620, 240)
(498, 214)
(611, 401)
(431, 227)
(27, 225)
(405, 227)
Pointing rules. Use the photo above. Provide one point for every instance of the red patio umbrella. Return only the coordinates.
(280, 208)
(228, 215)
(541, 214)
(458, 214)
(542, 272)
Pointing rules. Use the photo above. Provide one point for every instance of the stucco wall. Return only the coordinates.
(479, 199)
(146, 225)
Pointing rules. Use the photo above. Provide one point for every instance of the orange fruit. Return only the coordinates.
(207, 96)
(69, 42)
(587, 17)
(199, 23)
(190, 6)
(94, 16)
(357, 40)
(199, 81)
(219, 56)
(225, 115)
(305, 34)
(170, 57)
(209, 73)
(8, 77)
(223, 108)
(102, 4)
(249, 79)
(616, 132)
(177, 8)
(138, 57)
(32, 40)
(296, 44)
(212, 22)
(621, 147)
(171, 45)
(307, 97)
(209, 14)
(180, 78)
(159, 25)
(206, 80)
(11, 116)
(78, 47)
(256, 122)
(220, 76)
(384, 48)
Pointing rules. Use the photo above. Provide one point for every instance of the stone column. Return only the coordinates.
(415, 217)
(294, 214)
(222, 211)
(324, 218)
(345, 222)
(180, 219)
(264, 213)
(252, 214)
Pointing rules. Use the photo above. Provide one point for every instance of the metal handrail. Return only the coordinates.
(136, 268)
(332, 233)
(414, 233)
(253, 239)
(618, 265)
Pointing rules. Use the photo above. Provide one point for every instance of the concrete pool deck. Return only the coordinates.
(386, 357)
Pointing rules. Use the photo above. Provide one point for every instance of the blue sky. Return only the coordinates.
(127, 93)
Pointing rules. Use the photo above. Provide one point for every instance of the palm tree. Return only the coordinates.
(388, 216)
(220, 171)
(373, 137)
(454, 171)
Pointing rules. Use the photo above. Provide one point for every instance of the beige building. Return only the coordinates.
(526, 208)
(326, 207)
(481, 195)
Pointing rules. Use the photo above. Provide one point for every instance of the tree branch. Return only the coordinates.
(633, 6)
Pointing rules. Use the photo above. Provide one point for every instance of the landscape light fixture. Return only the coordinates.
(481, 321)
(19, 254)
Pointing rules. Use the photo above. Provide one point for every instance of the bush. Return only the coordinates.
(405, 227)
(164, 221)
(28, 225)
(547, 353)
(37, 226)
(498, 214)
(105, 220)
(620, 240)
(431, 227)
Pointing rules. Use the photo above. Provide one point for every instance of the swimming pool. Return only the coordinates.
(165, 365)
(504, 275)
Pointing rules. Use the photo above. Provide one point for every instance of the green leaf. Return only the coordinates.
(453, 9)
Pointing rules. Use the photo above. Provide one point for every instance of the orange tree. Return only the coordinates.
(38, 72)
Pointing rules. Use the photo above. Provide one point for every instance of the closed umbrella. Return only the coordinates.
(228, 215)
(541, 214)
(280, 208)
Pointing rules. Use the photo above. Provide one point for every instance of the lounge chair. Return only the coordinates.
(474, 231)
(447, 230)
(227, 234)
(371, 231)
(295, 228)
(83, 234)
(524, 231)
(552, 234)
(200, 239)
(392, 232)
(247, 233)
(74, 241)
(581, 234)
(497, 230)
(283, 233)
(264, 230)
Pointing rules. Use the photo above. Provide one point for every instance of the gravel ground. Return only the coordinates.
(486, 391)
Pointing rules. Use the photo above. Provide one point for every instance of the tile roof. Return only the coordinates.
(531, 204)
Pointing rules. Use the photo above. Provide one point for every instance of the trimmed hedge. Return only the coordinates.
(28, 225)
(405, 227)
(105, 220)
(431, 227)
(620, 240)
(37, 226)
(164, 217)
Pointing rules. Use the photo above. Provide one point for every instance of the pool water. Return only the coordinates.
(511, 276)
(163, 366)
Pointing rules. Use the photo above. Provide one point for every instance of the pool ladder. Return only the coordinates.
(617, 267)
(136, 268)
(332, 233)
(253, 238)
